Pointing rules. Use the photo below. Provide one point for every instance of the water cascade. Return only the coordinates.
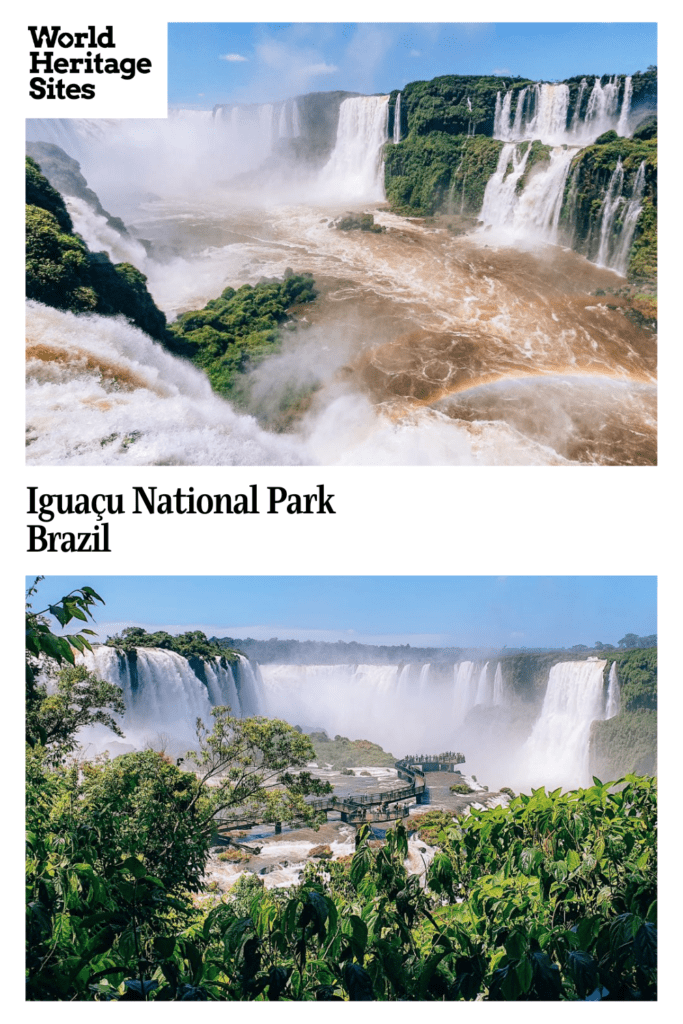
(406, 706)
(163, 695)
(613, 706)
(355, 169)
(557, 751)
(534, 211)
(542, 113)
(619, 259)
(498, 687)
(622, 127)
(397, 120)
(611, 203)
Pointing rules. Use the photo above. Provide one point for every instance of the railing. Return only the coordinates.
(357, 807)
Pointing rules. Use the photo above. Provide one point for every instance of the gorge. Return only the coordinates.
(522, 720)
(499, 331)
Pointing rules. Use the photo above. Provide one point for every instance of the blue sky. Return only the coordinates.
(462, 611)
(239, 62)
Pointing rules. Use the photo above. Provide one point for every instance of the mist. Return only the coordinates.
(424, 346)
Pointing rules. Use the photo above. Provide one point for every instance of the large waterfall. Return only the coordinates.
(355, 170)
(557, 749)
(164, 696)
(436, 706)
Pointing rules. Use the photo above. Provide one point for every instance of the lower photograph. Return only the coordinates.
(351, 788)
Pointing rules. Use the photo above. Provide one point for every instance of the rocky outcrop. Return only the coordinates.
(64, 175)
(61, 271)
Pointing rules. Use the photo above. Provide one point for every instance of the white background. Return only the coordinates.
(390, 520)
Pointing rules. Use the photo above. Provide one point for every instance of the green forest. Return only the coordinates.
(552, 897)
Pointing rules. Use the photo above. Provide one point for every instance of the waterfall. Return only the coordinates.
(557, 751)
(498, 687)
(355, 170)
(163, 695)
(501, 117)
(296, 123)
(406, 706)
(583, 85)
(535, 211)
(602, 107)
(500, 194)
(619, 260)
(622, 127)
(611, 203)
(546, 116)
(464, 690)
(519, 113)
(613, 706)
(549, 123)
(484, 691)
(542, 111)
(397, 119)
(100, 236)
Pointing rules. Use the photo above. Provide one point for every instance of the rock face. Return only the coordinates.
(62, 272)
(64, 174)
(358, 222)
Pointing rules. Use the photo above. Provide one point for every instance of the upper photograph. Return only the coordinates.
(354, 244)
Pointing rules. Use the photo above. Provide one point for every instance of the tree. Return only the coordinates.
(43, 648)
(80, 699)
(245, 766)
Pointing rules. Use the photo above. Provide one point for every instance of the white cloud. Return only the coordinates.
(232, 56)
(501, 71)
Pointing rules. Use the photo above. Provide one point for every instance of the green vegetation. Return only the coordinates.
(62, 272)
(587, 182)
(191, 645)
(461, 788)
(447, 155)
(345, 753)
(428, 173)
(428, 825)
(238, 330)
(538, 154)
(359, 222)
(115, 849)
(233, 856)
(441, 105)
(637, 671)
(628, 742)
(550, 898)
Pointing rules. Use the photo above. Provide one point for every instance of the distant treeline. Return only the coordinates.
(318, 652)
